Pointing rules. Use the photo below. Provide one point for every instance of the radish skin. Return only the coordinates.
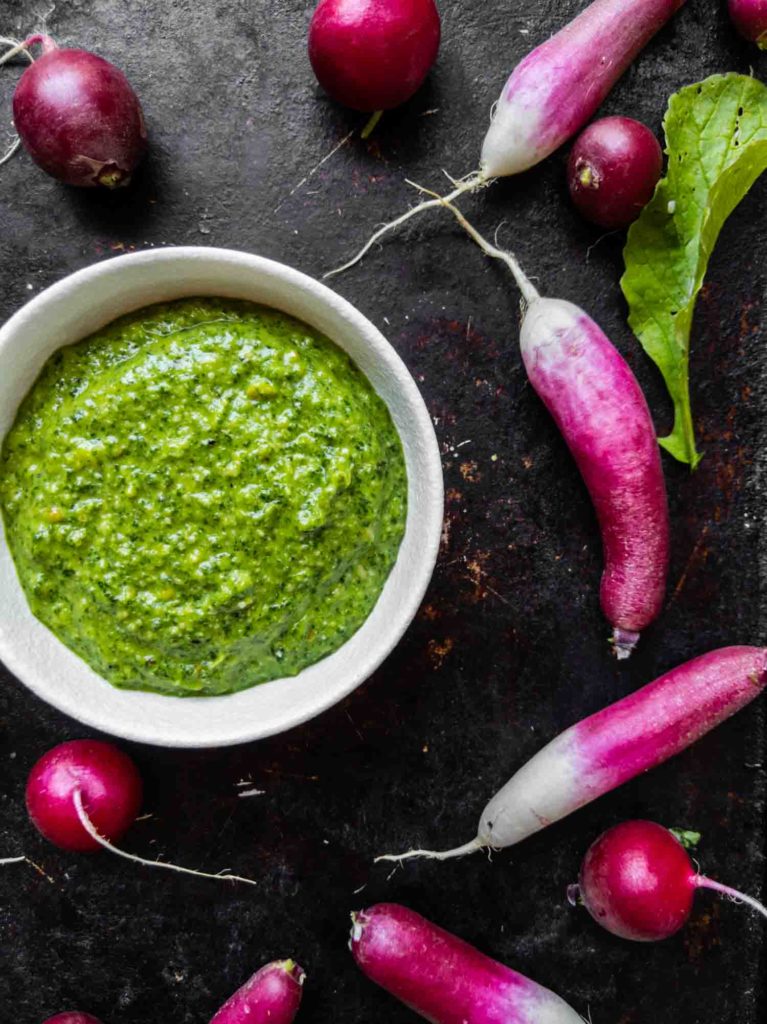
(558, 87)
(271, 996)
(638, 882)
(72, 1017)
(443, 978)
(616, 744)
(602, 414)
(552, 93)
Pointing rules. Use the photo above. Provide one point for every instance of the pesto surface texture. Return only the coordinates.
(202, 496)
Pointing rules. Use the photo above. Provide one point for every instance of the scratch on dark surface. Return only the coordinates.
(695, 554)
(307, 177)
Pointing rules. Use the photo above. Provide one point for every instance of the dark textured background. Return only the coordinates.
(509, 646)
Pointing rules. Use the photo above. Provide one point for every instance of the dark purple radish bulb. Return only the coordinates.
(78, 117)
(612, 171)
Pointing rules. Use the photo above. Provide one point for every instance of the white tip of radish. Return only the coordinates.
(356, 934)
(459, 851)
(624, 642)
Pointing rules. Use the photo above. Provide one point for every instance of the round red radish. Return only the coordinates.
(638, 882)
(72, 1017)
(373, 54)
(613, 169)
(110, 788)
(750, 19)
(78, 117)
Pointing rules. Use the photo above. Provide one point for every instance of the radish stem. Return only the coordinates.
(90, 828)
(367, 131)
(702, 882)
(471, 183)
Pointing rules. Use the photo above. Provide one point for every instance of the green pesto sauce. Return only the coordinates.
(202, 496)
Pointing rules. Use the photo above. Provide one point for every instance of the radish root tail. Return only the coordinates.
(737, 897)
(11, 860)
(459, 851)
(529, 292)
(470, 184)
(16, 48)
(93, 832)
(624, 641)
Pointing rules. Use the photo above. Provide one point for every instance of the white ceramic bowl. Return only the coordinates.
(87, 300)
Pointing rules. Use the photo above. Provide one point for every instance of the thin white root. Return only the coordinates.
(90, 828)
(459, 851)
(733, 894)
(11, 860)
(471, 183)
(15, 49)
(529, 292)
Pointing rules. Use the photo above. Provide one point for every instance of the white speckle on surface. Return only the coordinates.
(671, 205)
(252, 792)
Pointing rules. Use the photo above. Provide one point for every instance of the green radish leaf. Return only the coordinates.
(688, 839)
(716, 141)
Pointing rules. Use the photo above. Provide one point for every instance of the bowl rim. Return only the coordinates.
(430, 511)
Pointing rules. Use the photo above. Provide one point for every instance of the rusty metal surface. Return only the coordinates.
(509, 646)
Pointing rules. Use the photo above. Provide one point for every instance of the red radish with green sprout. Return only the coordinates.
(77, 116)
(372, 55)
(602, 414)
(615, 745)
(612, 171)
(85, 794)
(638, 882)
(750, 19)
(443, 978)
(554, 91)
(271, 996)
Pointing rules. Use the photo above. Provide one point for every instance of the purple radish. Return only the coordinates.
(84, 795)
(78, 116)
(271, 996)
(612, 171)
(72, 1017)
(601, 411)
(615, 745)
(444, 979)
(750, 19)
(554, 91)
(638, 882)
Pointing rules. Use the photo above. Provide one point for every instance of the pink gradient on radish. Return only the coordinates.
(78, 117)
(271, 996)
(602, 413)
(72, 1017)
(108, 781)
(558, 87)
(750, 19)
(443, 978)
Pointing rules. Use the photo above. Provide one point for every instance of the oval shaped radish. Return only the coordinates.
(108, 781)
(443, 978)
(615, 745)
(271, 996)
(373, 54)
(613, 169)
(72, 1017)
(750, 19)
(638, 882)
(78, 117)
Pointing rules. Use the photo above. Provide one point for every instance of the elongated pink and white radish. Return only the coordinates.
(443, 978)
(638, 881)
(615, 745)
(85, 794)
(271, 996)
(554, 91)
(602, 414)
